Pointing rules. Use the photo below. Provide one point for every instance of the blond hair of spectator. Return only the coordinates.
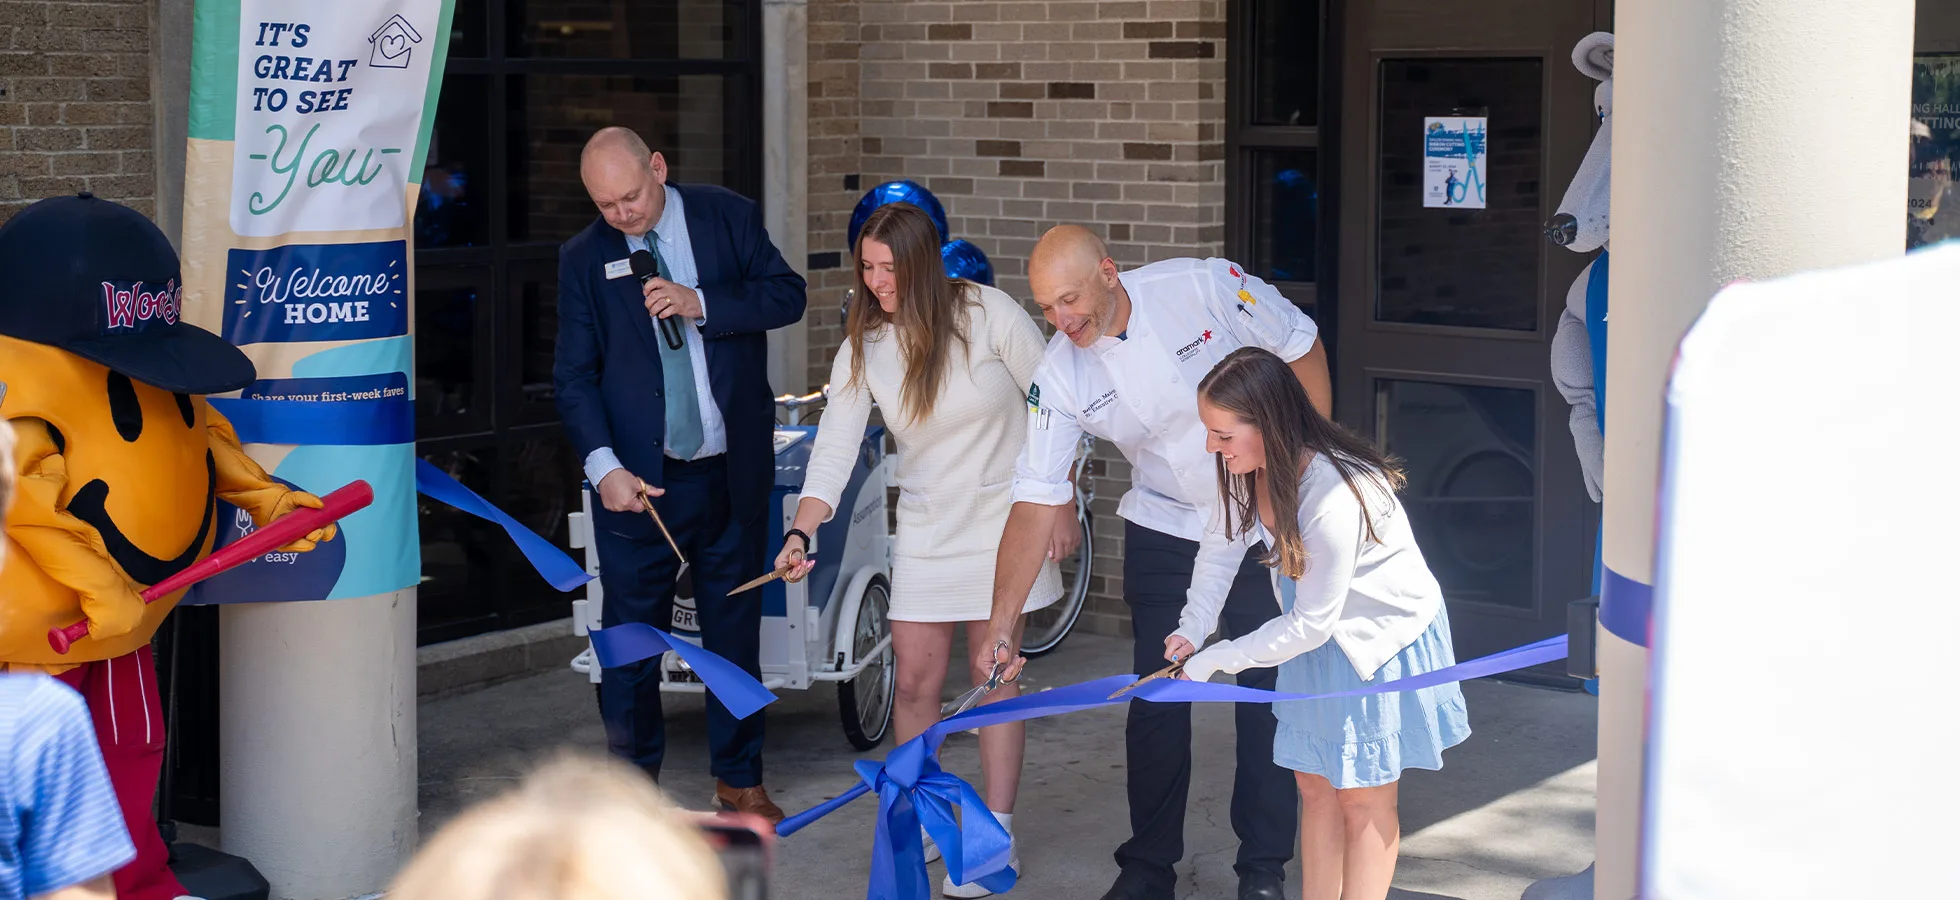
(579, 828)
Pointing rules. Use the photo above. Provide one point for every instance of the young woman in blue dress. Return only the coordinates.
(1357, 606)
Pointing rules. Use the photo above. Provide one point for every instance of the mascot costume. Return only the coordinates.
(120, 463)
(1579, 346)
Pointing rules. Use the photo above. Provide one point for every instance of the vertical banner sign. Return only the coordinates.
(1455, 159)
(308, 128)
(1932, 210)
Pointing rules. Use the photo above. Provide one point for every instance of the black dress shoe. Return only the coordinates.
(1134, 885)
(1262, 886)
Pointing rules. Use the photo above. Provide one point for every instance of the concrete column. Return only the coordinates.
(786, 168)
(317, 743)
(1753, 139)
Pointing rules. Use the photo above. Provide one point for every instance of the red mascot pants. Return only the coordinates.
(122, 697)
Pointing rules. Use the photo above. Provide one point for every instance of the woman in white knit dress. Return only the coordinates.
(948, 364)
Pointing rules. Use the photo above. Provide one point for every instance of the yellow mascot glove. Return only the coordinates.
(292, 500)
(242, 483)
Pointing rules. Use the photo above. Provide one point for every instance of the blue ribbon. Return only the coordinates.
(392, 421)
(557, 568)
(910, 780)
(347, 423)
(632, 642)
(1625, 608)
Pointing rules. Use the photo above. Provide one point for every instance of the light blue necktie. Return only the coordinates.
(677, 367)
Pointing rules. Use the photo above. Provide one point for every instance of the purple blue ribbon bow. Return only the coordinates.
(913, 792)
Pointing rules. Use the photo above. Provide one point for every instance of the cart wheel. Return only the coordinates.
(865, 702)
(1047, 627)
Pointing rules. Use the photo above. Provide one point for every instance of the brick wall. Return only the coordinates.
(75, 109)
(1020, 116)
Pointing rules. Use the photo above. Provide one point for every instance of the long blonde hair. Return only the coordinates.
(579, 828)
(932, 309)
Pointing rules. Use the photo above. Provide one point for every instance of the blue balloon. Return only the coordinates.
(897, 192)
(963, 260)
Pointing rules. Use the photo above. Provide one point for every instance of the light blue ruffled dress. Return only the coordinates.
(1368, 741)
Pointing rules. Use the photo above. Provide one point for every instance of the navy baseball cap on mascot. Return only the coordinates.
(99, 280)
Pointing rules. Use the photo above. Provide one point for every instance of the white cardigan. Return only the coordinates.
(1372, 599)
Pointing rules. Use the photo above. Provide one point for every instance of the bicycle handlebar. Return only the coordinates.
(792, 401)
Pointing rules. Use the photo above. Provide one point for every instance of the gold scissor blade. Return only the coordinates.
(1165, 672)
(760, 581)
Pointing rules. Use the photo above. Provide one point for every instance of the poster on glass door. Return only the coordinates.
(1932, 207)
(1455, 155)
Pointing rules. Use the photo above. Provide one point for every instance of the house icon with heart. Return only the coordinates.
(393, 44)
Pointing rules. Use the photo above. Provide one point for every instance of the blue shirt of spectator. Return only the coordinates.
(59, 822)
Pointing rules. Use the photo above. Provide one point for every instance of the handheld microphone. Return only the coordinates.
(645, 269)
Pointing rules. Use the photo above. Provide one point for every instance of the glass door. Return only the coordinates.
(1460, 126)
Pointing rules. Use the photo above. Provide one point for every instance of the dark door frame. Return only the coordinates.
(1370, 352)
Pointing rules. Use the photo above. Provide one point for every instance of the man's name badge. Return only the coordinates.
(619, 268)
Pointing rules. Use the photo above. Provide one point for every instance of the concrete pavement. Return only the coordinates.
(1513, 804)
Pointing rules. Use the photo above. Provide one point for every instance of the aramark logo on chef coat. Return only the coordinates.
(1187, 351)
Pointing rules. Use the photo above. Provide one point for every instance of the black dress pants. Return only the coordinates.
(639, 570)
(1156, 573)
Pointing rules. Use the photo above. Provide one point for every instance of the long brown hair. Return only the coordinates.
(932, 312)
(1262, 392)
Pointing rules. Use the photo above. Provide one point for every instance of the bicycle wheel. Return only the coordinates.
(1047, 627)
(865, 703)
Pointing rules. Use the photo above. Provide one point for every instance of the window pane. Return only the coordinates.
(460, 552)
(1472, 492)
(454, 208)
(536, 289)
(689, 119)
(627, 29)
(1286, 62)
(469, 32)
(1932, 197)
(447, 345)
(1285, 214)
(1475, 268)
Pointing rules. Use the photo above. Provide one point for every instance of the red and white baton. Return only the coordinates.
(293, 526)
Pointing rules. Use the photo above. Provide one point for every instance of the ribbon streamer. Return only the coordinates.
(557, 568)
(910, 778)
(392, 421)
(632, 642)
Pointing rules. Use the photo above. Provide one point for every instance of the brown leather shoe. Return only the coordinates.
(753, 800)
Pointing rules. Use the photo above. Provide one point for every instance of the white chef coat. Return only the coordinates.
(1140, 392)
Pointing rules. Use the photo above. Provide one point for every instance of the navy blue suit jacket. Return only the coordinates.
(607, 367)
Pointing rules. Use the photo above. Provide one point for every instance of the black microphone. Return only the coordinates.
(643, 265)
(645, 269)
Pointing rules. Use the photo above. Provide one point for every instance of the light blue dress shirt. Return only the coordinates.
(678, 252)
(60, 825)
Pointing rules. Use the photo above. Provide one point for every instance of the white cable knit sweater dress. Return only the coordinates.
(955, 469)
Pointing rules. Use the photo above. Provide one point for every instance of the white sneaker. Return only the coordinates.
(973, 889)
(932, 848)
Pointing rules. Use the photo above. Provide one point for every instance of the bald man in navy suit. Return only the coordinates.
(662, 385)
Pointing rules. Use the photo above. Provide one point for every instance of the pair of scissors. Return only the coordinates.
(647, 498)
(966, 701)
(765, 578)
(1170, 671)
